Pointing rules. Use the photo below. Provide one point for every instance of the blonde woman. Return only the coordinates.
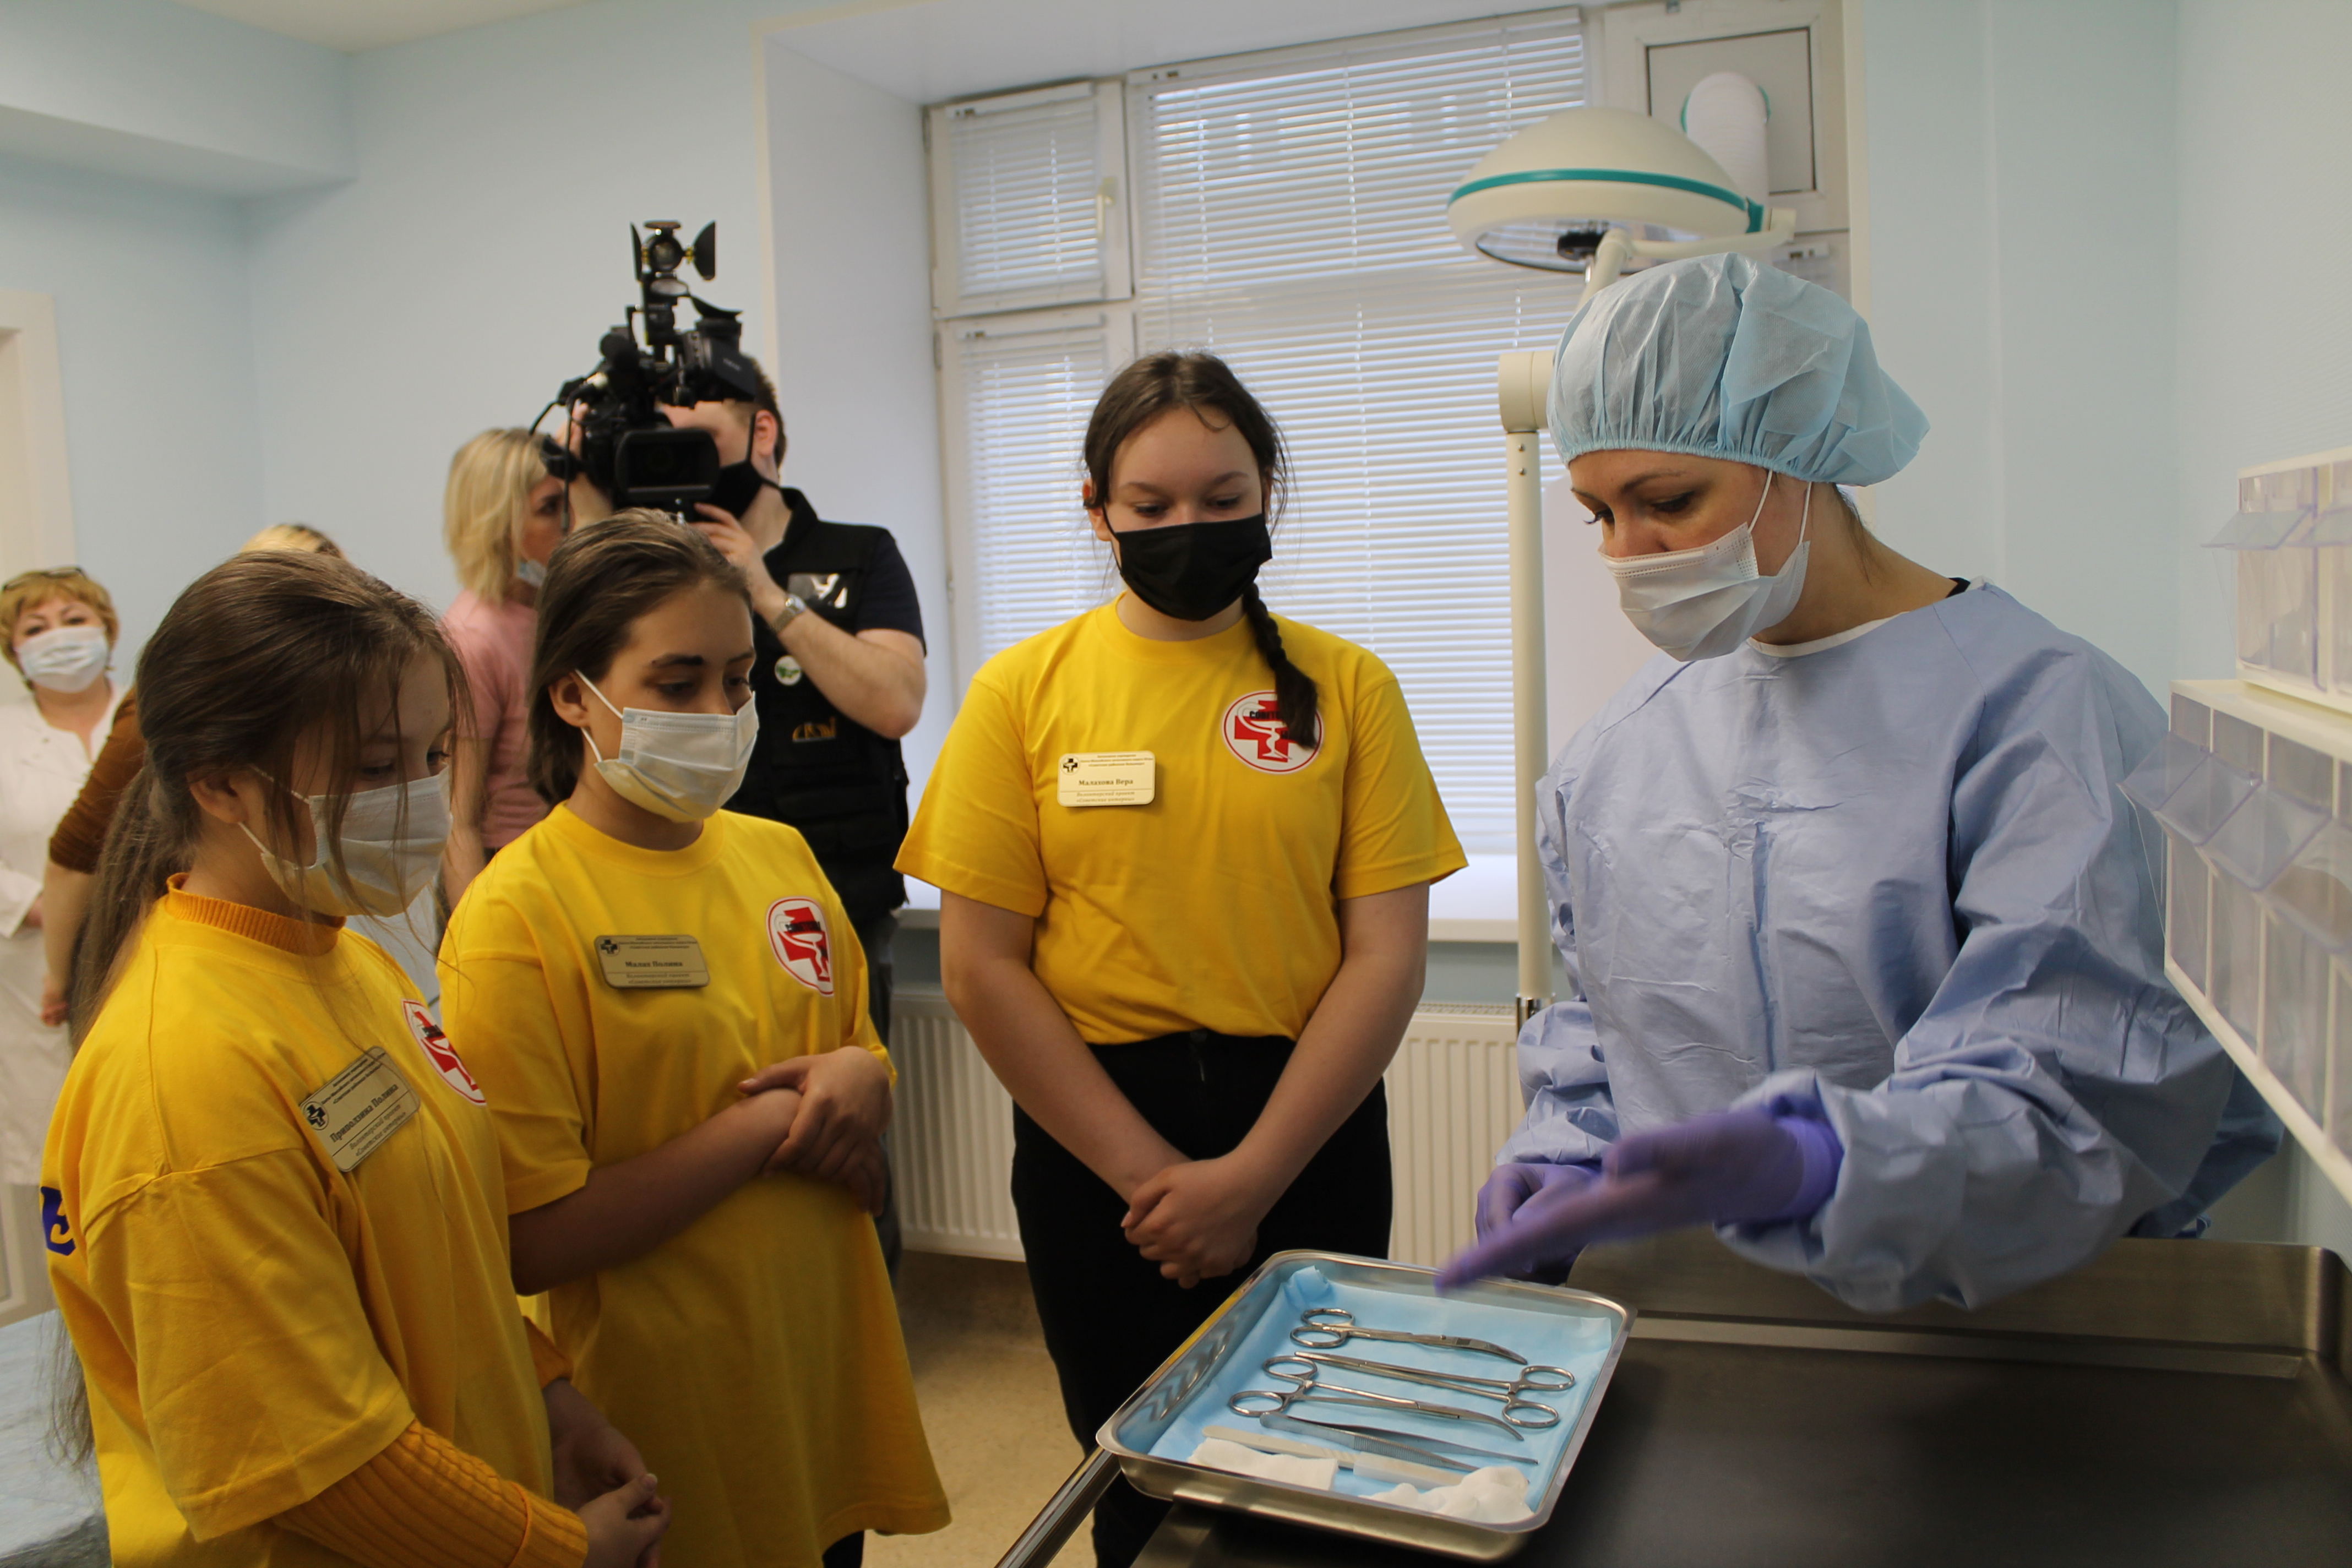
(502, 518)
(293, 536)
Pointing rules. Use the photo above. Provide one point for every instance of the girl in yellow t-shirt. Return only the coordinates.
(1184, 850)
(272, 1199)
(667, 1006)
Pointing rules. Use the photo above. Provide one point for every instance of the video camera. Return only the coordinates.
(625, 445)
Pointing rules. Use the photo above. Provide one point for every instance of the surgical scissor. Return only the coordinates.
(1328, 1328)
(1517, 1408)
(1263, 1401)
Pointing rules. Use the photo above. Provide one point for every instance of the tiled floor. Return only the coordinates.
(990, 1406)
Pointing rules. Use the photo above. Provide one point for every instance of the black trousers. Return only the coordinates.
(875, 937)
(1109, 1317)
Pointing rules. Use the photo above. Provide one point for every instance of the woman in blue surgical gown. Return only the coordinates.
(1864, 938)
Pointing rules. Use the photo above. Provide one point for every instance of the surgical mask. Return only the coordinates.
(529, 573)
(390, 838)
(681, 766)
(737, 486)
(1190, 571)
(66, 658)
(1703, 602)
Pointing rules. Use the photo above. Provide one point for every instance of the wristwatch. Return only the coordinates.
(795, 608)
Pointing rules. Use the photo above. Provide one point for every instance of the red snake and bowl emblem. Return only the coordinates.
(1253, 731)
(439, 1052)
(796, 930)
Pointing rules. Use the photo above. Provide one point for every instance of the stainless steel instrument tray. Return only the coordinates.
(1140, 1423)
(2172, 1404)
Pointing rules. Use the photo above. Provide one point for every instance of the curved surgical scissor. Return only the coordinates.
(1517, 1408)
(1328, 1328)
(1262, 1401)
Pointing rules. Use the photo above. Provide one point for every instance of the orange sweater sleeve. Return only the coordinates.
(549, 1362)
(81, 832)
(424, 1502)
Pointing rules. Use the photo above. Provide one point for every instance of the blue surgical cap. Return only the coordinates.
(1720, 357)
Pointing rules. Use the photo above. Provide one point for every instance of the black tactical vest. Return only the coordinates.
(844, 786)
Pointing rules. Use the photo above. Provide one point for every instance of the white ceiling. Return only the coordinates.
(354, 24)
(929, 50)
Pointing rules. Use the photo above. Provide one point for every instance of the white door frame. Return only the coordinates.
(36, 527)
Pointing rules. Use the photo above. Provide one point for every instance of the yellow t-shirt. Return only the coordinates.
(254, 1325)
(754, 1358)
(1214, 906)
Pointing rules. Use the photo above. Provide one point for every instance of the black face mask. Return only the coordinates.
(1190, 571)
(737, 487)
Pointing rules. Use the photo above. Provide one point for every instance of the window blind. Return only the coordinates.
(1022, 390)
(1023, 190)
(1291, 217)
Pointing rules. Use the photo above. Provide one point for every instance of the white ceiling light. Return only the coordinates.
(1606, 186)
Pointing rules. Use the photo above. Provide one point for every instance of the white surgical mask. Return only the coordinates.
(529, 573)
(392, 841)
(681, 766)
(1703, 602)
(66, 658)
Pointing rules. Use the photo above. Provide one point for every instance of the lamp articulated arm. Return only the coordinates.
(1522, 383)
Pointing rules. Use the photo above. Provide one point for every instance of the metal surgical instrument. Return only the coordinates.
(1328, 1328)
(1263, 1401)
(1517, 1408)
(1386, 1441)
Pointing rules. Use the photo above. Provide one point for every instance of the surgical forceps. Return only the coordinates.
(1517, 1408)
(1270, 1401)
(1328, 1328)
(1388, 1441)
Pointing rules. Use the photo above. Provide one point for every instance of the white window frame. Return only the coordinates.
(1111, 219)
(1117, 321)
(967, 616)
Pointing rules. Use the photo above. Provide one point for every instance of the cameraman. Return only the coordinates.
(839, 677)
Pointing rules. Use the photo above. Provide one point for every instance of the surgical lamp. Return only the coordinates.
(1587, 191)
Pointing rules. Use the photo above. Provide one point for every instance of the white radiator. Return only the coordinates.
(1453, 1099)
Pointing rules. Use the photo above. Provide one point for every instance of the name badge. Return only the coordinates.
(1106, 778)
(652, 962)
(359, 1107)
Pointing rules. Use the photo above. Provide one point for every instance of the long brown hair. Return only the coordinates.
(599, 582)
(1205, 384)
(260, 654)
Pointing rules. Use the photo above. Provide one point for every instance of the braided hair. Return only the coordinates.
(1206, 385)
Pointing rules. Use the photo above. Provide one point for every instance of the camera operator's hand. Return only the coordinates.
(743, 552)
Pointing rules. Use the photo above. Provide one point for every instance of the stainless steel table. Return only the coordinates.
(2173, 1403)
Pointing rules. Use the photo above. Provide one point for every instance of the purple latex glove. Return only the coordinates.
(1512, 1186)
(1746, 1166)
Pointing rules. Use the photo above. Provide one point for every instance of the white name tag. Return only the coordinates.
(1106, 778)
(652, 962)
(359, 1107)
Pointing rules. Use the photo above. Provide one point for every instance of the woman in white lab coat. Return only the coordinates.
(58, 629)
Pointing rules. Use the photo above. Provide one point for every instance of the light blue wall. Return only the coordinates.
(2105, 243)
(482, 251)
(2265, 327)
(2264, 334)
(2021, 287)
(170, 93)
(155, 353)
(122, 123)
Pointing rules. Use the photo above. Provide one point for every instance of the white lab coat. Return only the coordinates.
(41, 770)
